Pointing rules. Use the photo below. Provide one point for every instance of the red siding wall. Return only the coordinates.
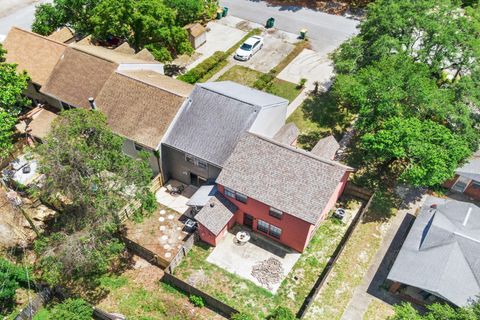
(470, 191)
(209, 237)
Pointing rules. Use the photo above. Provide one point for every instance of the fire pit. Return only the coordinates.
(242, 237)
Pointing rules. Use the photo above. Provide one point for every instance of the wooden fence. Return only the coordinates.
(37, 303)
(186, 247)
(338, 251)
(146, 254)
(214, 304)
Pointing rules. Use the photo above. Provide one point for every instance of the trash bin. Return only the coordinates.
(219, 14)
(303, 33)
(270, 23)
(225, 11)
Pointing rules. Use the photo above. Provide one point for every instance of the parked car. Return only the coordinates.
(249, 48)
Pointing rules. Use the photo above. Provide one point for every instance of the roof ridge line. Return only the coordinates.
(303, 152)
(39, 36)
(149, 84)
(222, 94)
(94, 55)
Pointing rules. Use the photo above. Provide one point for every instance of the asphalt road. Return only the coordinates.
(325, 31)
(17, 13)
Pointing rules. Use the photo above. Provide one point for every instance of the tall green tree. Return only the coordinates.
(188, 11)
(12, 100)
(86, 170)
(437, 311)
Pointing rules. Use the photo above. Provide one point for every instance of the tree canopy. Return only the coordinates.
(152, 24)
(411, 75)
(85, 168)
(437, 311)
(12, 86)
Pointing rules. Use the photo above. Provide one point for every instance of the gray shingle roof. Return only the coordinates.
(441, 253)
(471, 169)
(216, 214)
(215, 118)
(292, 180)
(326, 147)
(287, 134)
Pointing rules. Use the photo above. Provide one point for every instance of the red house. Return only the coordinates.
(274, 189)
(467, 178)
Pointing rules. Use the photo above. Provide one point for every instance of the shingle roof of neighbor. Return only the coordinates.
(116, 56)
(472, 168)
(441, 253)
(291, 180)
(78, 76)
(326, 147)
(42, 123)
(216, 214)
(287, 134)
(62, 35)
(195, 29)
(216, 117)
(137, 110)
(31, 52)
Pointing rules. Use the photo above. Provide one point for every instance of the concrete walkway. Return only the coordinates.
(370, 288)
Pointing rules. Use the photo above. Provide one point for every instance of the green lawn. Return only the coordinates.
(284, 89)
(242, 75)
(378, 310)
(351, 267)
(245, 295)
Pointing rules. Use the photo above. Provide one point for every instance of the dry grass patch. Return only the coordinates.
(378, 310)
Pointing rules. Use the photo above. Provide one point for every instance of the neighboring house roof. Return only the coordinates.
(471, 169)
(287, 134)
(139, 111)
(217, 115)
(216, 214)
(37, 122)
(62, 35)
(161, 81)
(288, 179)
(31, 52)
(195, 29)
(441, 253)
(115, 56)
(78, 76)
(326, 147)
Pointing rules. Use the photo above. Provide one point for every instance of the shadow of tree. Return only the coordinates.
(383, 206)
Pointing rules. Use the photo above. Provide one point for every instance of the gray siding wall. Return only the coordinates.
(129, 149)
(176, 167)
(269, 121)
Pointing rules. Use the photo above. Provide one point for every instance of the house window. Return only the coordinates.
(138, 147)
(201, 164)
(275, 232)
(241, 197)
(275, 213)
(476, 184)
(189, 159)
(262, 226)
(229, 193)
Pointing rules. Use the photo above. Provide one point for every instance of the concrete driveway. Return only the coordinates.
(17, 13)
(325, 31)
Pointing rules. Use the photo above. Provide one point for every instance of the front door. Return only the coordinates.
(197, 180)
(247, 220)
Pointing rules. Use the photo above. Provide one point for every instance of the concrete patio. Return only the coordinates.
(242, 259)
(175, 202)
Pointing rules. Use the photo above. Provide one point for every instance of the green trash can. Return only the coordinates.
(219, 14)
(225, 11)
(303, 33)
(270, 23)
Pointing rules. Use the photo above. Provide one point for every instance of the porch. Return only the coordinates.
(260, 260)
(177, 202)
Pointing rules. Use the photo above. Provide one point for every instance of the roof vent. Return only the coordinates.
(93, 105)
(212, 205)
(467, 216)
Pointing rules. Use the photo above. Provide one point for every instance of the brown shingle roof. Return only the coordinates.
(31, 52)
(41, 123)
(287, 134)
(78, 76)
(161, 81)
(111, 55)
(326, 147)
(292, 180)
(195, 29)
(136, 110)
(63, 35)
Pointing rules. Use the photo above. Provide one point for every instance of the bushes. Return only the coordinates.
(281, 313)
(265, 80)
(203, 68)
(242, 316)
(12, 277)
(197, 301)
(71, 309)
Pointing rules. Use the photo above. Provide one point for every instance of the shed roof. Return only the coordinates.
(216, 214)
(289, 179)
(137, 110)
(195, 29)
(287, 134)
(216, 116)
(31, 52)
(326, 147)
(443, 247)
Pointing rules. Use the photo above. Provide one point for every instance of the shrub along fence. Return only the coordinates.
(355, 191)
